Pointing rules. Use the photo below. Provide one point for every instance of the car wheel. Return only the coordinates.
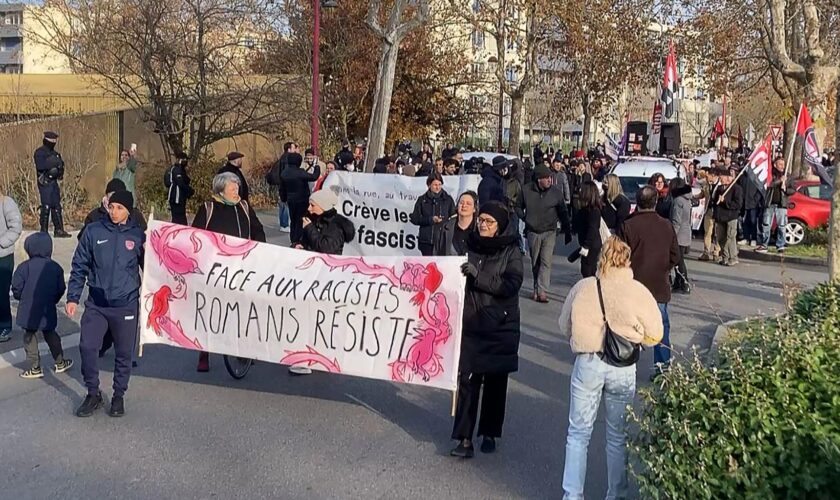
(795, 232)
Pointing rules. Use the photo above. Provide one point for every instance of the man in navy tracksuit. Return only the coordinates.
(108, 258)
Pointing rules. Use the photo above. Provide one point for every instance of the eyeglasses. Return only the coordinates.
(486, 221)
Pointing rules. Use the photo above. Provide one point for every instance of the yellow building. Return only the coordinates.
(20, 51)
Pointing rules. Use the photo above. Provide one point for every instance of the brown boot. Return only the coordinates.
(203, 362)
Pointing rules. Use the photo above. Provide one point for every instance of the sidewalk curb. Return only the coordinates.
(17, 356)
(769, 257)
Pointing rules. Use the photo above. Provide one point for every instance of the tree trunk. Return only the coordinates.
(587, 127)
(834, 221)
(381, 103)
(516, 103)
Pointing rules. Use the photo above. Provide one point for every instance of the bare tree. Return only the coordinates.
(185, 64)
(403, 17)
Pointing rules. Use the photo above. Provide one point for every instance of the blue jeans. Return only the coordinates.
(662, 351)
(284, 214)
(592, 378)
(767, 224)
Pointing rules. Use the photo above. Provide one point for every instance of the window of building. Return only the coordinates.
(476, 5)
(13, 18)
(512, 75)
(478, 39)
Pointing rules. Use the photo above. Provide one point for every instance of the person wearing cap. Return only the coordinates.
(234, 166)
(101, 211)
(50, 168)
(296, 182)
(542, 207)
(107, 260)
(490, 340)
(492, 185)
(431, 210)
(227, 213)
(728, 200)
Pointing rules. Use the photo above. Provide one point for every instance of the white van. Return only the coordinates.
(635, 171)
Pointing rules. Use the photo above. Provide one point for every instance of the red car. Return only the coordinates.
(808, 208)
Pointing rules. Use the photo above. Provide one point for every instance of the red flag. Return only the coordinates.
(669, 81)
(805, 121)
(810, 147)
(718, 131)
(761, 160)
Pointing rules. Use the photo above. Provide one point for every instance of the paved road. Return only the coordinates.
(191, 435)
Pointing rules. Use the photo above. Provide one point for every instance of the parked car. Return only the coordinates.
(635, 171)
(808, 208)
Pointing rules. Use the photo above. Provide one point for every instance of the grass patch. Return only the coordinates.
(812, 251)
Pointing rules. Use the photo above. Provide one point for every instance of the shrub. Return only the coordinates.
(760, 420)
(817, 236)
(153, 194)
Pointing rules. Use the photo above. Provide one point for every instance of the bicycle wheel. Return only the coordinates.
(238, 367)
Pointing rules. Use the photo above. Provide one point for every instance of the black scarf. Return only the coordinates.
(490, 245)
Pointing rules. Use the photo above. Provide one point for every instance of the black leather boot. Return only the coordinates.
(58, 222)
(44, 218)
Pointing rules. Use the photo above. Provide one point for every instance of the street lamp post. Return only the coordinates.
(316, 69)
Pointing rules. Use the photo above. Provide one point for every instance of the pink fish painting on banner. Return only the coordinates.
(389, 318)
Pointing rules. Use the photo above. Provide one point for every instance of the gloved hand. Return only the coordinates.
(568, 237)
(469, 270)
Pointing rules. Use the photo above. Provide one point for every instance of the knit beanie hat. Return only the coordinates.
(124, 198)
(114, 185)
(325, 198)
(497, 211)
(541, 172)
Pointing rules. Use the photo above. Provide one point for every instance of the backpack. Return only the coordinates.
(167, 177)
(273, 177)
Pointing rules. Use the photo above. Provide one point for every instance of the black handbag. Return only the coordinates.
(617, 350)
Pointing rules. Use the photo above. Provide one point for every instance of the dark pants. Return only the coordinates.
(7, 266)
(681, 280)
(30, 346)
(297, 211)
(179, 214)
(122, 322)
(752, 218)
(426, 249)
(492, 405)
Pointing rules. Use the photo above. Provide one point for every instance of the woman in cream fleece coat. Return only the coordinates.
(632, 313)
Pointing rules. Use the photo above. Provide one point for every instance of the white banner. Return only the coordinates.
(389, 318)
(379, 206)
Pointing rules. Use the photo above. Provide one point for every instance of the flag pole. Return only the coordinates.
(795, 134)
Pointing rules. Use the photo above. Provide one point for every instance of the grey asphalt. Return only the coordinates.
(189, 435)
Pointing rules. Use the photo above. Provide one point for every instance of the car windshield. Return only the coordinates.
(632, 184)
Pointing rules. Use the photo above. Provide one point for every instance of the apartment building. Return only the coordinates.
(20, 51)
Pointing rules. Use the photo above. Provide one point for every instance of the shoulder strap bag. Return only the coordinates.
(617, 350)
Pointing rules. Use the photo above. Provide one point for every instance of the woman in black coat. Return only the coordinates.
(324, 229)
(227, 214)
(616, 204)
(430, 212)
(490, 341)
(587, 223)
(664, 201)
(457, 229)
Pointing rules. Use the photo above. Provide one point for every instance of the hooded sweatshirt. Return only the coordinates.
(38, 284)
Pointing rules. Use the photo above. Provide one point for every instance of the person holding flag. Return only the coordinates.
(777, 204)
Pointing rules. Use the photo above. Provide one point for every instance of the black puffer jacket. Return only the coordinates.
(490, 341)
(234, 220)
(328, 233)
(296, 183)
(425, 209)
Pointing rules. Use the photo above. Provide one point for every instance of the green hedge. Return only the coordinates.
(760, 420)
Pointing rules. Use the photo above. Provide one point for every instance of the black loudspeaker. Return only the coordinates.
(669, 141)
(637, 138)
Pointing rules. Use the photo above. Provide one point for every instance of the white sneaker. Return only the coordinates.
(285, 229)
(300, 370)
(743, 242)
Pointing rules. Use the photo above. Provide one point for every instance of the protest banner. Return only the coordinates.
(379, 205)
(389, 318)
